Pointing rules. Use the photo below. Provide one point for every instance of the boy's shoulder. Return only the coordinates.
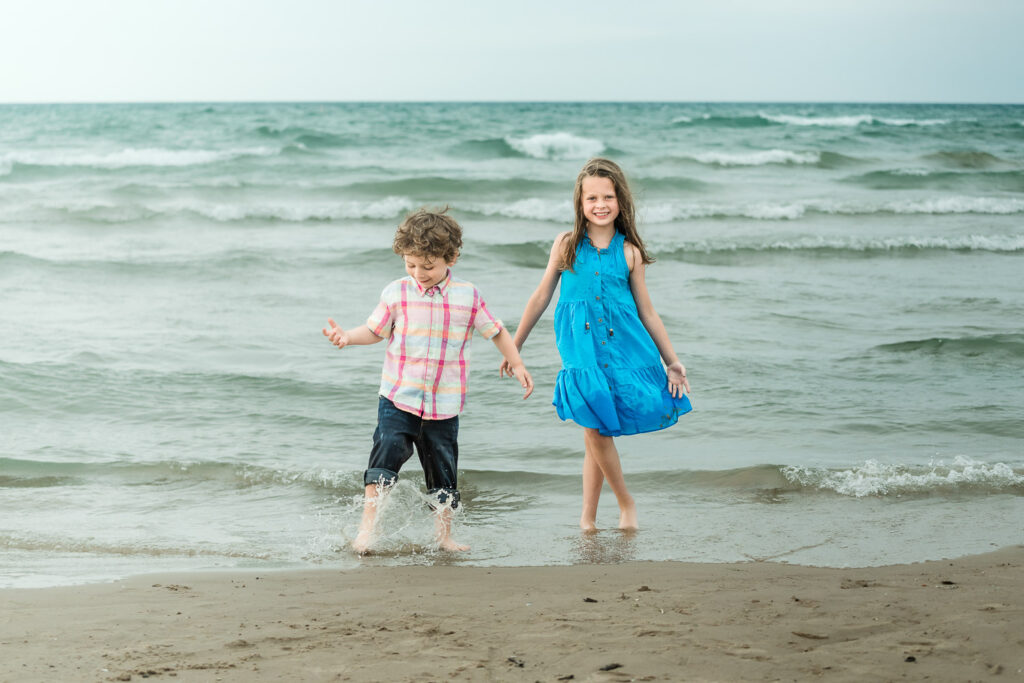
(458, 282)
(392, 291)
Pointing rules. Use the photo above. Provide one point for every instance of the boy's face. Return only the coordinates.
(425, 270)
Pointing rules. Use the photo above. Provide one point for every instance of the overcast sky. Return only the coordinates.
(664, 50)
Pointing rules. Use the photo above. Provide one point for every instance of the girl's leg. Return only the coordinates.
(606, 456)
(593, 480)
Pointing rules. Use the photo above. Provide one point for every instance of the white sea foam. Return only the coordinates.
(130, 157)
(996, 243)
(553, 210)
(80, 204)
(670, 211)
(913, 122)
(761, 158)
(873, 478)
(380, 209)
(851, 120)
(953, 205)
(556, 146)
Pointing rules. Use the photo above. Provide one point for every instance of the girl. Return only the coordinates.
(608, 334)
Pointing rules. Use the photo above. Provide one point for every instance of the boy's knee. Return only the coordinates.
(380, 476)
(444, 497)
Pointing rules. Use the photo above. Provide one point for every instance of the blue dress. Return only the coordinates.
(612, 378)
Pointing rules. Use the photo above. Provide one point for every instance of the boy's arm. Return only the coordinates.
(360, 336)
(514, 363)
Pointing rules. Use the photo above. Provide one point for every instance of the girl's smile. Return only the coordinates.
(600, 205)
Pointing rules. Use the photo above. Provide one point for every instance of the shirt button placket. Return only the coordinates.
(603, 349)
(427, 374)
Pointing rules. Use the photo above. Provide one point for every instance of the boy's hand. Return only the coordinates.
(505, 369)
(336, 336)
(677, 383)
(520, 373)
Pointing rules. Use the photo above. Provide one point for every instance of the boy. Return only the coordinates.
(428, 319)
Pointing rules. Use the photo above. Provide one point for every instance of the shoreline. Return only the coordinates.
(957, 619)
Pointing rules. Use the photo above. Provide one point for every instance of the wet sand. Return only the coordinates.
(950, 620)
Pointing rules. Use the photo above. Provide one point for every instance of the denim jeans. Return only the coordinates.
(436, 443)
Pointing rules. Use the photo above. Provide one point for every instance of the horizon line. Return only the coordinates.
(525, 101)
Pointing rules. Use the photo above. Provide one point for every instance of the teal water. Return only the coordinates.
(842, 281)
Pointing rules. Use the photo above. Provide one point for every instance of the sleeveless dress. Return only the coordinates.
(612, 378)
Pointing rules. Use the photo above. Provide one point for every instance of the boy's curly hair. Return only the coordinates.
(429, 235)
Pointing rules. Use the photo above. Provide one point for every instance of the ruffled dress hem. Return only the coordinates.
(627, 401)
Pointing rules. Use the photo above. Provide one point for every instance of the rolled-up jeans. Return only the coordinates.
(436, 443)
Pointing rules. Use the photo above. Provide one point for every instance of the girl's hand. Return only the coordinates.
(677, 384)
(336, 336)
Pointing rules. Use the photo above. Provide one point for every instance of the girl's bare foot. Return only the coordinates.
(587, 525)
(628, 518)
(452, 546)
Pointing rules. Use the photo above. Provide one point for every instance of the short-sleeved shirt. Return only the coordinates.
(428, 332)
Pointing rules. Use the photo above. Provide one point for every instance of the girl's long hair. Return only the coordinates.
(625, 222)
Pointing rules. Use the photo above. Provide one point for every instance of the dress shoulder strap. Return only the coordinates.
(618, 245)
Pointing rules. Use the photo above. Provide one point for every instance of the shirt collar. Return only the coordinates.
(441, 286)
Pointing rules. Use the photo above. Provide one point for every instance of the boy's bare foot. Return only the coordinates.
(361, 543)
(587, 525)
(452, 546)
(628, 518)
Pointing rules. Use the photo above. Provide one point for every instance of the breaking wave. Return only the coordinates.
(130, 157)
(874, 478)
(559, 146)
(766, 119)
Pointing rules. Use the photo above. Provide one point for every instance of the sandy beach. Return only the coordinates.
(949, 620)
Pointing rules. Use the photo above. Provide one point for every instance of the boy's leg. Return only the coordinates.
(372, 497)
(607, 458)
(438, 450)
(392, 447)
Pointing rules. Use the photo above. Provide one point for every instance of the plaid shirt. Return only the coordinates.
(426, 363)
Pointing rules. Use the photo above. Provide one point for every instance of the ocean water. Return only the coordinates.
(843, 281)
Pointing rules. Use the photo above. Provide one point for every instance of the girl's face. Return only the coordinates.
(600, 206)
(426, 272)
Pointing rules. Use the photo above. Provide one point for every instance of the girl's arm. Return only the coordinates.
(539, 300)
(359, 336)
(677, 382)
